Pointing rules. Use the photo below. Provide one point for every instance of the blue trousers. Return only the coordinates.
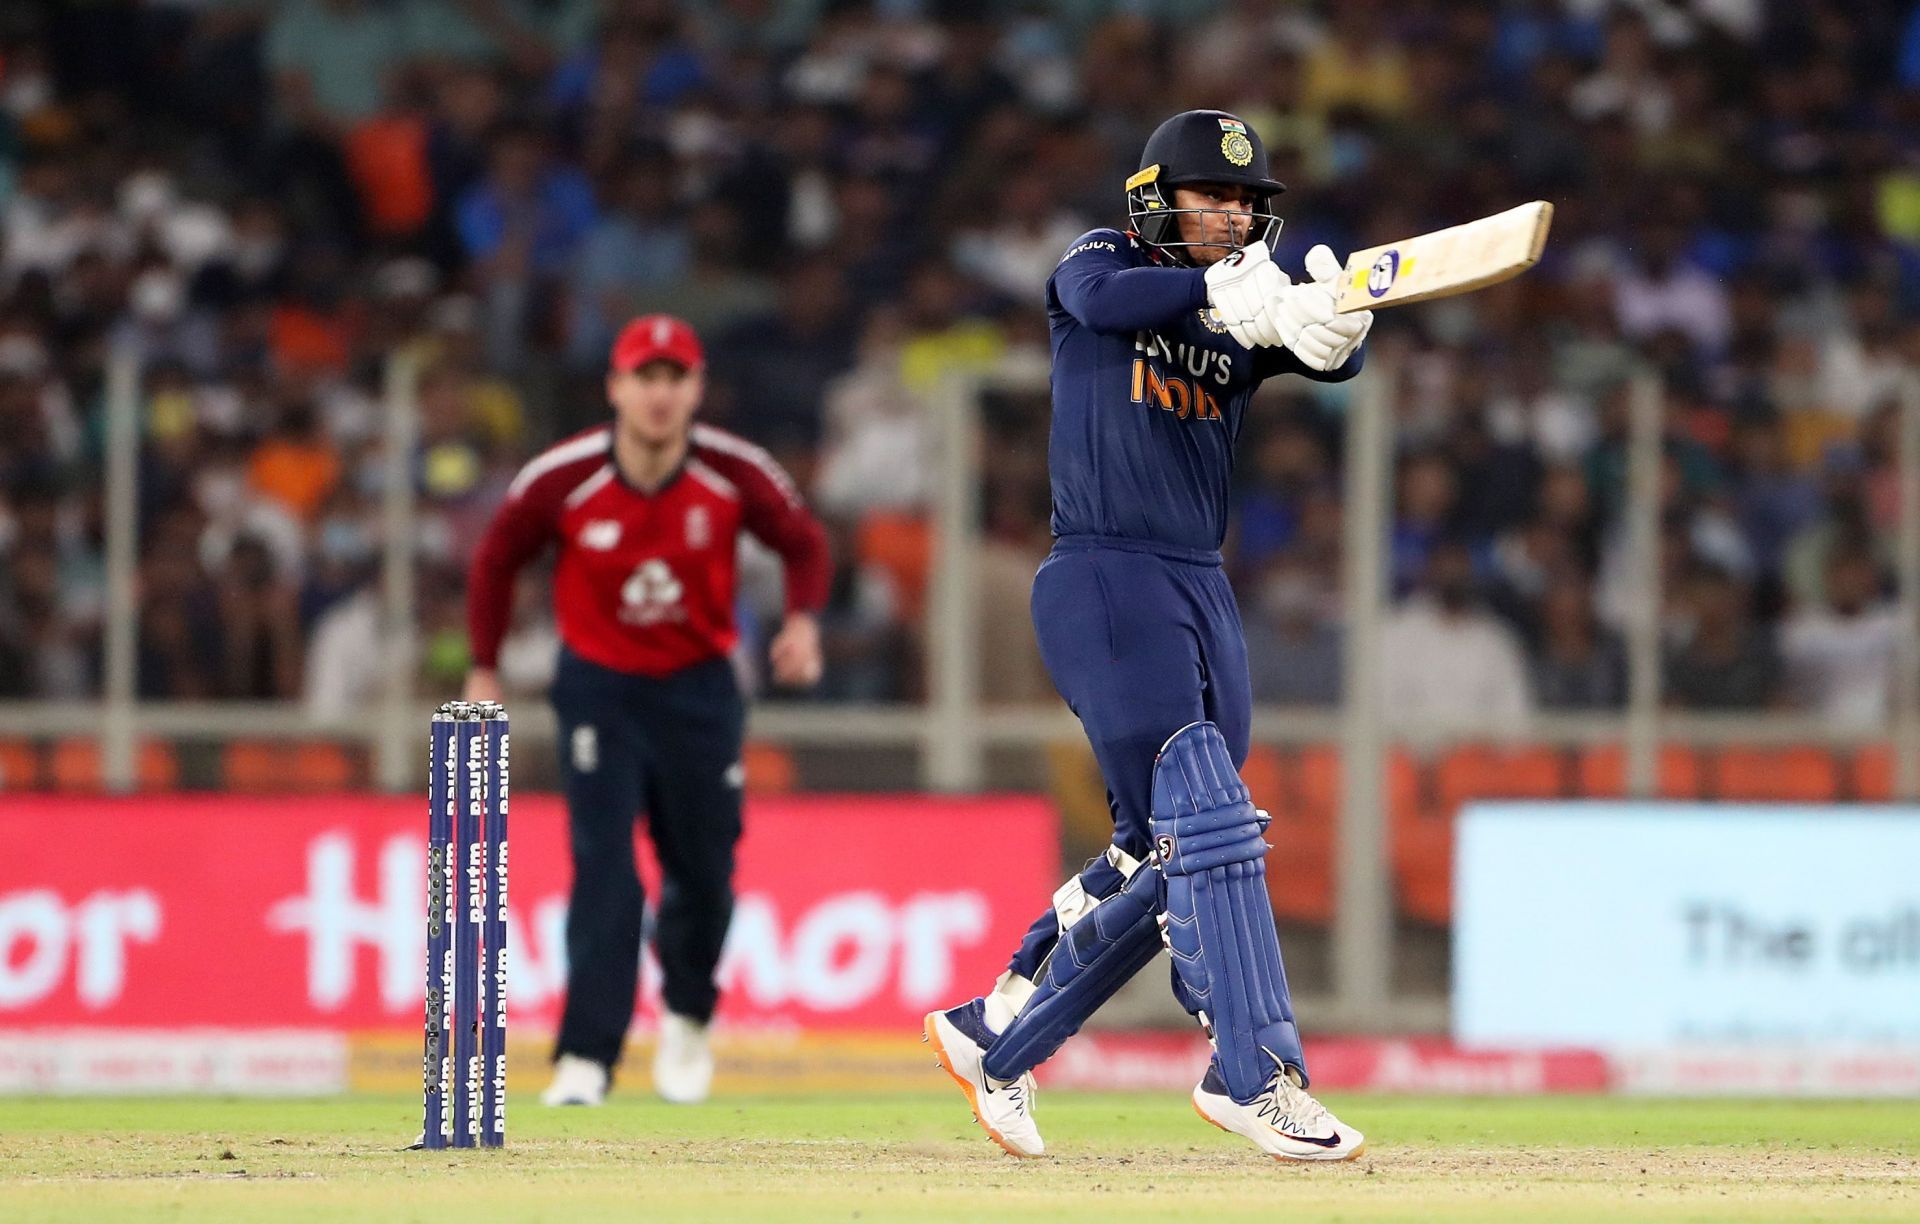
(667, 748)
(1139, 644)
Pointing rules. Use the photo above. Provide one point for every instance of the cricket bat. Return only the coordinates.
(1449, 261)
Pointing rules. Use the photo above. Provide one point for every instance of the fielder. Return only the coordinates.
(1160, 336)
(645, 513)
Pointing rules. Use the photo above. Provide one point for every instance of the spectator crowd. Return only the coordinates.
(268, 202)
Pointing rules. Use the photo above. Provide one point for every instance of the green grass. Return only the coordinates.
(920, 1158)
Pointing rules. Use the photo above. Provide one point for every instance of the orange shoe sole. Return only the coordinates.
(931, 1036)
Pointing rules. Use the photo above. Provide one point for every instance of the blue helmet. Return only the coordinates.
(1199, 146)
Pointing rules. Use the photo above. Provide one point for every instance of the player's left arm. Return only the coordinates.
(1271, 362)
(771, 508)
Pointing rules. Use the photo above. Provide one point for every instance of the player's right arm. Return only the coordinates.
(1098, 283)
(523, 525)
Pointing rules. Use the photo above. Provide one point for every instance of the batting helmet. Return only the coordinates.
(1199, 146)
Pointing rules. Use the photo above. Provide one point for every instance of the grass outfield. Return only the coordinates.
(921, 1158)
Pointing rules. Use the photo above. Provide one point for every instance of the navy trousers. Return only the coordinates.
(1139, 644)
(668, 747)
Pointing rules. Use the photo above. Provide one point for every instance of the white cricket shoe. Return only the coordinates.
(576, 1081)
(1003, 1108)
(683, 1061)
(1284, 1121)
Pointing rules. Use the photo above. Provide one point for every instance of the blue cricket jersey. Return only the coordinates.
(1149, 393)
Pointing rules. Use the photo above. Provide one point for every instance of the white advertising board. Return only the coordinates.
(1635, 927)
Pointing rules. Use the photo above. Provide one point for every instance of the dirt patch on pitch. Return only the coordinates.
(1782, 1165)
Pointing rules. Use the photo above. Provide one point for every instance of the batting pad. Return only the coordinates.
(1105, 946)
(1219, 921)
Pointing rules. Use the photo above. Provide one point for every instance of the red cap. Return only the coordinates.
(657, 337)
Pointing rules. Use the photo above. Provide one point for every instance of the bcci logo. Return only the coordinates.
(1384, 272)
(1211, 321)
(1237, 148)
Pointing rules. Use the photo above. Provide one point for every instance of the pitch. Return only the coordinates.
(919, 1158)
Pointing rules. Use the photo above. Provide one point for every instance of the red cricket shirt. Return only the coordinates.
(644, 582)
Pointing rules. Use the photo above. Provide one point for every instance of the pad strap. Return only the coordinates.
(1072, 901)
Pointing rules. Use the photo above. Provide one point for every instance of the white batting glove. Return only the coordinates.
(1327, 344)
(1241, 288)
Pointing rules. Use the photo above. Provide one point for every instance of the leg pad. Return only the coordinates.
(1103, 946)
(1219, 920)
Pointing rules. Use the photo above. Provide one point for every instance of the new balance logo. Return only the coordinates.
(600, 535)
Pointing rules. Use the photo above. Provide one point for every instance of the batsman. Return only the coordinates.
(1161, 334)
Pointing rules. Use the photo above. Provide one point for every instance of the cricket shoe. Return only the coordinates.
(1003, 1108)
(576, 1081)
(683, 1061)
(1284, 1121)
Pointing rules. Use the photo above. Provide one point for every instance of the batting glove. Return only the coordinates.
(1241, 289)
(1327, 344)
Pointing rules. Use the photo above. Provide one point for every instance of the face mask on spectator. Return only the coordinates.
(219, 491)
(157, 295)
(196, 235)
(27, 93)
(146, 195)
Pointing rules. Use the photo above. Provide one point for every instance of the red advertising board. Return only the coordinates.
(855, 912)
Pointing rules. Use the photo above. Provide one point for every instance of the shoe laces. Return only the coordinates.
(1287, 1106)
(1017, 1091)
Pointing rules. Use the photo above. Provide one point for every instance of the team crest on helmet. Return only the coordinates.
(1237, 148)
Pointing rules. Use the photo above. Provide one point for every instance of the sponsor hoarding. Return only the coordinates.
(231, 913)
(1653, 930)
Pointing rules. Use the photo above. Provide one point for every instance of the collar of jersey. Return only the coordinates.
(666, 482)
